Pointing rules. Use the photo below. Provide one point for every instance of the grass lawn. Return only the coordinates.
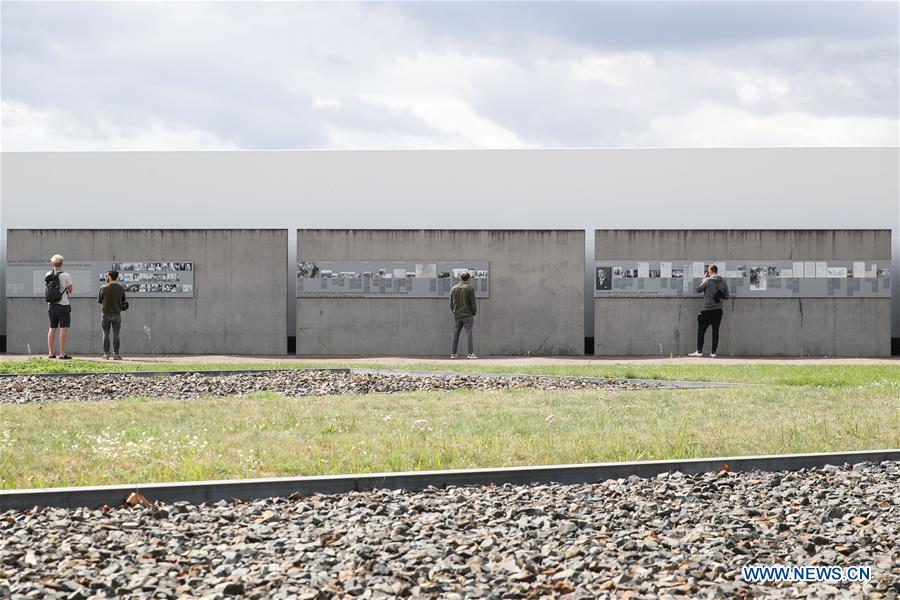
(774, 374)
(141, 440)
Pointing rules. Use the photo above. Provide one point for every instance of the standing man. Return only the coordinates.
(462, 303)
(112, 297)
(715, 292)
(59, 286)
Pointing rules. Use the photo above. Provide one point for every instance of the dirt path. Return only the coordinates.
(514, 361)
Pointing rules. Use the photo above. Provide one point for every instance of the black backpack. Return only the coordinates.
(53, 293)
(721, 294)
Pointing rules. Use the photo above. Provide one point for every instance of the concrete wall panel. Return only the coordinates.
(751, 326)
(536, 302)
(239, 304)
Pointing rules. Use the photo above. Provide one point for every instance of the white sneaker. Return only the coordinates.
(106, 357)
(712, 355)
(695, 354)
(472, 356)
(452, 356)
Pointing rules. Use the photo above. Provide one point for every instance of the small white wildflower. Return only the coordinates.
(421, 425)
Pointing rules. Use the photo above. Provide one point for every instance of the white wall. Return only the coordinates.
(541, 189)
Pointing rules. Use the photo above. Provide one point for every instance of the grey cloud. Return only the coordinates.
(655, 25)
(840, 58)
(545, 112)
(250, 72)
(237, 83)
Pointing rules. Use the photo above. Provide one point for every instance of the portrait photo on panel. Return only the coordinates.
(604, 278)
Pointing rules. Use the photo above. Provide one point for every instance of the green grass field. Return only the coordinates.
(773, 374)
(66, 444)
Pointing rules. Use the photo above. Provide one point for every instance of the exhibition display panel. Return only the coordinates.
(745, 278)
(140, 278)
(380, 278)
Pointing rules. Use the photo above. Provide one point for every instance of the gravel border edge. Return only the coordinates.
(197, 492)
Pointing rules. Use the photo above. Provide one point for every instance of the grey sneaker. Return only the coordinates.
(117, 357)
(452, 356)
(105, 356)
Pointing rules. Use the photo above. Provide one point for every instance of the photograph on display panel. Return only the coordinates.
(759, 278)
(604, 278)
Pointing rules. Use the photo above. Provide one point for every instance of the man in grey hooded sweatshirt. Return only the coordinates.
(715, 292)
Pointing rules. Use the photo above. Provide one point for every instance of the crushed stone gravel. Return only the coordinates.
(672, 536)
(26, 389)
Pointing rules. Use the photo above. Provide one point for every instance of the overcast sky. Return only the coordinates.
(167, 76)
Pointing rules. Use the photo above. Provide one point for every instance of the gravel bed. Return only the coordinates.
(25, 389)
(670, 536)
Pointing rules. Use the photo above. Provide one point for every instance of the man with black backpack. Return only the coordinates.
(59, 286)
(715, 291)
(112, 297)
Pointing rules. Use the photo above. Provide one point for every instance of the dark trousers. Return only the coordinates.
(468, 323)
(704, 320)
(114, 323)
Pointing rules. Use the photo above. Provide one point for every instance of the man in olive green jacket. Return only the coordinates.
(462, 303)
(112, 297)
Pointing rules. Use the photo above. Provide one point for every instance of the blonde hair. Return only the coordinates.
(57, 260)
